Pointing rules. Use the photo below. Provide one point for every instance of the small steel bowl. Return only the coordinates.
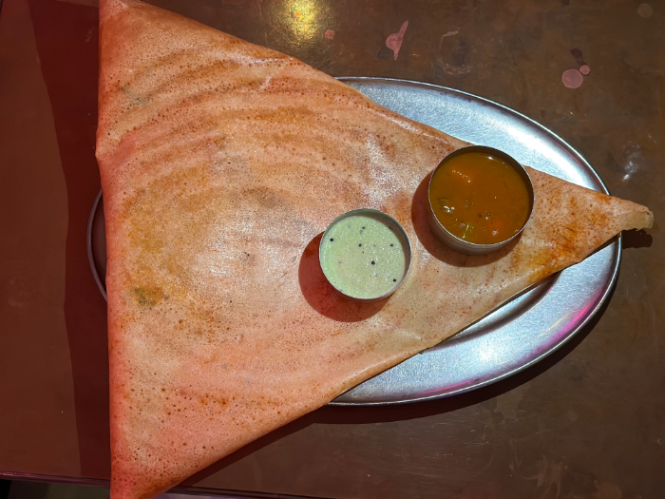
(457, 243)
(391, 223)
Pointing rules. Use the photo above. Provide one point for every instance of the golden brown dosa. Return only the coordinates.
(221, 162)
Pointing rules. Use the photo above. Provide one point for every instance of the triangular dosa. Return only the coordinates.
(221, 162)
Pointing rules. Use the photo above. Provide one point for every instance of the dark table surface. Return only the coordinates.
(587, 422)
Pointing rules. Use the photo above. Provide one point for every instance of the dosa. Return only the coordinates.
(222, 162)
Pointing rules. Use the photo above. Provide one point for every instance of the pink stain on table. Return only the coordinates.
(329, 34)
(394, 41)
(572, 78)
(585, 70)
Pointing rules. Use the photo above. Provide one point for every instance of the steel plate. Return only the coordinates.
(522, 331)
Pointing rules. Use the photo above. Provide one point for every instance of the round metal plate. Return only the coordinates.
(522, 331)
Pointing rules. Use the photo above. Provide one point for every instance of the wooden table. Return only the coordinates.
(588, 422)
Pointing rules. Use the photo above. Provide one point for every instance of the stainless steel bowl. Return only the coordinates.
(391, 223)
(457, 243)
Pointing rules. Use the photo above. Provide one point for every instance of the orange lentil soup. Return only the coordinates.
(479, 198)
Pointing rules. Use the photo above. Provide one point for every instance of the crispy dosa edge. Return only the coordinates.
(138, 472)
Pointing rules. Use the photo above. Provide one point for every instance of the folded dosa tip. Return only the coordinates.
(641, 219)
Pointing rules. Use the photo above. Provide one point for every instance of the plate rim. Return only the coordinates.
(89, 244)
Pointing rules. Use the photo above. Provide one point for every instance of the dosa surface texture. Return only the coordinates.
(222, 163)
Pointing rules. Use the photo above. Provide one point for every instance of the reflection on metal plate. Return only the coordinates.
(522, 331)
